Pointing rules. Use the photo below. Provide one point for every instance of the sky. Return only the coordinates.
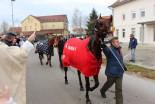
(23, 8)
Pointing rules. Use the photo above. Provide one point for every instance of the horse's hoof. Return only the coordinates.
(41, 63)
(81, 89)
(47, 63)
(88, 102)
(66, 82)
(50, 65)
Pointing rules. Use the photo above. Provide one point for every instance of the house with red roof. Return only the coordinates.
(55, 24)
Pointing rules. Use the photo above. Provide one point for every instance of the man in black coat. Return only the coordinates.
(9, 38)
(61, 44)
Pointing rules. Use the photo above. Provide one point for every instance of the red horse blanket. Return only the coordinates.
(77, 54)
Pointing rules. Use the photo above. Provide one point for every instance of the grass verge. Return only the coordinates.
(144, 72)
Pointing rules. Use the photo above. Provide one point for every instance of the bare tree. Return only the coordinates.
(4, 27)
(77, 22)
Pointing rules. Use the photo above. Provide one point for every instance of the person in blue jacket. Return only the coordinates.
(132, 45)
(114, 69)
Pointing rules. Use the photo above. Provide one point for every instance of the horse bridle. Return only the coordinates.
(97, 29)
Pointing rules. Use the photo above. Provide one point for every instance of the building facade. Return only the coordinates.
(56, 24)
(136, 17)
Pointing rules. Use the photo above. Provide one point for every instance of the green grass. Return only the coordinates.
(145, 72)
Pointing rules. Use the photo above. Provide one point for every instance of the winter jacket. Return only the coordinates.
(133, 43)
(61, 46)
(113, 68)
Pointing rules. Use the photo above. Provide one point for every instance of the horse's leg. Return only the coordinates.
(80, 81)
(41, 57)
(96, 83)
(87, 90)
(66, 81)
(47, 60)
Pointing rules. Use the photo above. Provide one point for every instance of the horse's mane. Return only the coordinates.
(91, 40)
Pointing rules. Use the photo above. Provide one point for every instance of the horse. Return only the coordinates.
(93, 45)
(46, 47)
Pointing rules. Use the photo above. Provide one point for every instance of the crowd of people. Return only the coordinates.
(14, 55)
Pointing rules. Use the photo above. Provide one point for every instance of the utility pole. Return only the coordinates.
(12, 15)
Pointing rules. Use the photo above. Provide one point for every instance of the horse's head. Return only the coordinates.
(51, 41)
(101, 27)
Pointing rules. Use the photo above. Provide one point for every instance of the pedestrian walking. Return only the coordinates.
(132, 46)
(61, 44)
(13, 67)
(114, 69)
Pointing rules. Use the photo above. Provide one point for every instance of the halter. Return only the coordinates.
(97, 26)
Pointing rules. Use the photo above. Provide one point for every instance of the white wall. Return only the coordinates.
(128, 23)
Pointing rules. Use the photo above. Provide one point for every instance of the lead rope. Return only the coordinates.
(116, 58)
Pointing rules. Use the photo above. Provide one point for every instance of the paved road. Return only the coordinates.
(45, 85)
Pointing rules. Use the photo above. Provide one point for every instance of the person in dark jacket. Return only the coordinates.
(61, 44)
(132, 45)
(114, 69)
(9, 38)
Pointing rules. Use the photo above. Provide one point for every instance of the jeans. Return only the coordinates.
(133, 54)
(118, 87)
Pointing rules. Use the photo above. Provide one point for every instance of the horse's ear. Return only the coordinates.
(100, 16)
(94, 21)
(110, 18)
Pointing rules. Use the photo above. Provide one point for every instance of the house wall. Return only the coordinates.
(129, 22)
(29, 22)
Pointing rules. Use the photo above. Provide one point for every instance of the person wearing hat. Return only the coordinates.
(13, 68)
(9, 38)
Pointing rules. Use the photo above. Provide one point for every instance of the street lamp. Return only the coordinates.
(12, 15)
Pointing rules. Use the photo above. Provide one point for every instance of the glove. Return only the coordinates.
(125, 69)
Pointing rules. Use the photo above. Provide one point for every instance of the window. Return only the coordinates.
(35, 29)
(29, 19)
(30, 27)
(42, 26)
(133, 15)
(123, 32)
(123, 16)
(142, 13)
(25, 28)
(46, 20)
(117, 33)
(53, 19)
(49, 19)
(45, 26)
(35, 24)
(133, 31)
(59, 19)
(53, 26)
(142, 33)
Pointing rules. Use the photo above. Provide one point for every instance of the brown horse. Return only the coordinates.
(46, 47)
(101, 29)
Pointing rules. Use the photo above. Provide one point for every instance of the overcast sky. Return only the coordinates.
(24, 8)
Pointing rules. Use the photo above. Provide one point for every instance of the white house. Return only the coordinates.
(136, 17)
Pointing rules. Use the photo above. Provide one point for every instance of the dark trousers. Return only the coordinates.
(60, 60)
(118, 87)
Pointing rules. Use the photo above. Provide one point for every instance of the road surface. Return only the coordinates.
(45, 85)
